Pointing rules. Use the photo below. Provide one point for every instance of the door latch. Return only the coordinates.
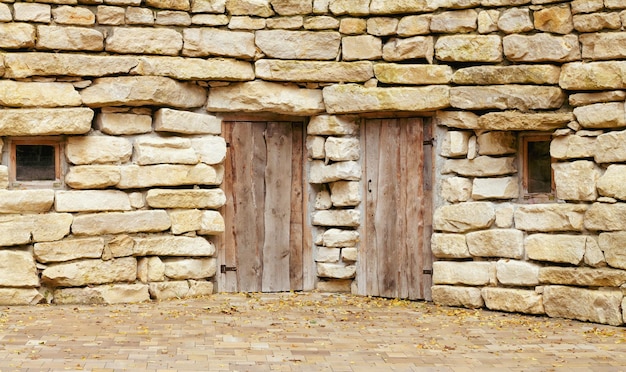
(224, 268)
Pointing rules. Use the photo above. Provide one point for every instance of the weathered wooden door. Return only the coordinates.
(395, 259)
(262, 248)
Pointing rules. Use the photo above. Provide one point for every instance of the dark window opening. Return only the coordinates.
(35, 163)
(537, 165)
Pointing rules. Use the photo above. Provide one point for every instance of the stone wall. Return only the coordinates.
(135, 92)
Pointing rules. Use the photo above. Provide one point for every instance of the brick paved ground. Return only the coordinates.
(299, 332)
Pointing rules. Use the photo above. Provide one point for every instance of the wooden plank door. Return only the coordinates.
(395, 260)
(263, 246)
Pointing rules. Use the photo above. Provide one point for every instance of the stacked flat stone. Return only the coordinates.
(138, 87)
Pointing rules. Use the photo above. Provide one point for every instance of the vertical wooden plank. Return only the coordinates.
(225, 243)
(427, 211)
(368, 249)
(297, 208)
(278, 181)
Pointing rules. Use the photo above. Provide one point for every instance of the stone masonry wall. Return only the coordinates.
(135, 91)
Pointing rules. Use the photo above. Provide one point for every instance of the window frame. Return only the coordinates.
(534, 197)
(55, 142)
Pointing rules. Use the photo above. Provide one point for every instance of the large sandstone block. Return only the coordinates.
(86, 272)
(38, 94)
(593, 75)
(202, 42)
(137, 177)
(507, 243)
(514, 120)
(401, 6)
(609, 147)
(550, 217)
(45, 122)
(606, 217)
(16, 230)
(416, 47)
(292, 7)
(102, 294)
(584, 99)
(210, 149)
(26, 201)
(335, 270)
(259, 8)
(69, 38)
(185, 122)
(604, 46)
(164, 150)
(572, 147)
(517, 273)
(173, 246)
(601, 115)
(19, 296)
(473, 273)
(541, 47)
(392, 73)
(506, 97)
(599, 306)
(180, 289)
(260, 96)
(319, 172)
(121, 222)
(513, 300)
(82, 150)
(17, 35)
(469, 48)
(308, 45)
(67, 250)
(150, 269)
(582, 276)
(185, 220)
(448, 295)
(515, 21)
(555, 19)
(337, 217)
(140, 40)
(340, 238)
(449, 246)
(313, 71)
(190, 268)
(556, 248)
(351, 7)
(121, 123)
(361, 47)
(50, 226)
(576, 180)
(142, 91)
(91, 201)
(612, 182)
(22, 65)
(457, 119)
(495, 188)
(212, 223)
(612, 244)
(328, 125)
(345, 193)
(456, 189)
(459, 218)
(496, 143)
(17, 269)
(186, 198)
(517, 74)
(195, 68)
(481, 166)
(350, 98)
(92, 176)
(455, 144)
(454, 22)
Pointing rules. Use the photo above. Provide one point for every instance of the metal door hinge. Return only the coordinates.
(224, 268)
(429, 142)
(428, 272)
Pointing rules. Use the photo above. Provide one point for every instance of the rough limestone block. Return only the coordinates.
(550, 217)
(303, 45)
(292, 7)
(488, 21)
(454, 22)
(495, 188)
(351, 98)
(612, 182)
(455, 144)
(210, 149)
(259, 8)
(582, 276)
(121, 124)
(604, 46)
(469, 48)
(593, 75)
(513, 300)
(25, 12)
(342, 148)
(606, 217)
(456, 189)
(319, 172)
(449, 246)
(464, 217)
(138, 177)
(50, 226)
(416, 47)
(473, 273)
(91, 201)
(515, 21)
(515, 74)
(612, 244)
(556, 248)
(164, 150)
(554, 19)
(19, 296)
(313, 71)
(401, 6)
(584, 99)
(121, 222)
(92, 176)
(85, 272)
(541, 47)
(594, 256)
(337, 217)
(392, 73)
(17, 35)
(201, 42)
(576, 180)
(98, 150)
(412, 25)
(596, 22)
(335, 270)
(361, 47)
(39, 94)
(497, 143)
(69, 38)
(190, 268)
(572, 147)
(609, 147)
(517, 273)
(150, 269)
(22, 65)
(67, 250)
(514, 120)
(340, 238)
(142, 91)
(17, 269)
(349, 255)
(212, 223)
(185, 220)
(351, 7)
(260, 96)
(599, 306)
(140, 40)
(195, 68)
(315, 147)
(173, 246)
(70, 15)
(17, 231)
(506, 243)
(186, 198)
(448, 295)
(185, 122)
(506, 97)
(45, 122)
(345, 193)
(26, 201)
(481, 166)
(102, 294)
(601, 115)
(328, 125)
(457, 119)
(180, 289)
(328, 255)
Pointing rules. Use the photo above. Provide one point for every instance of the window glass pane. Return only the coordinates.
(34, 163)
(539, 167)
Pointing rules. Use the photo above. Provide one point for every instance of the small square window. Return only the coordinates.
(538, 177)
(35, 163)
